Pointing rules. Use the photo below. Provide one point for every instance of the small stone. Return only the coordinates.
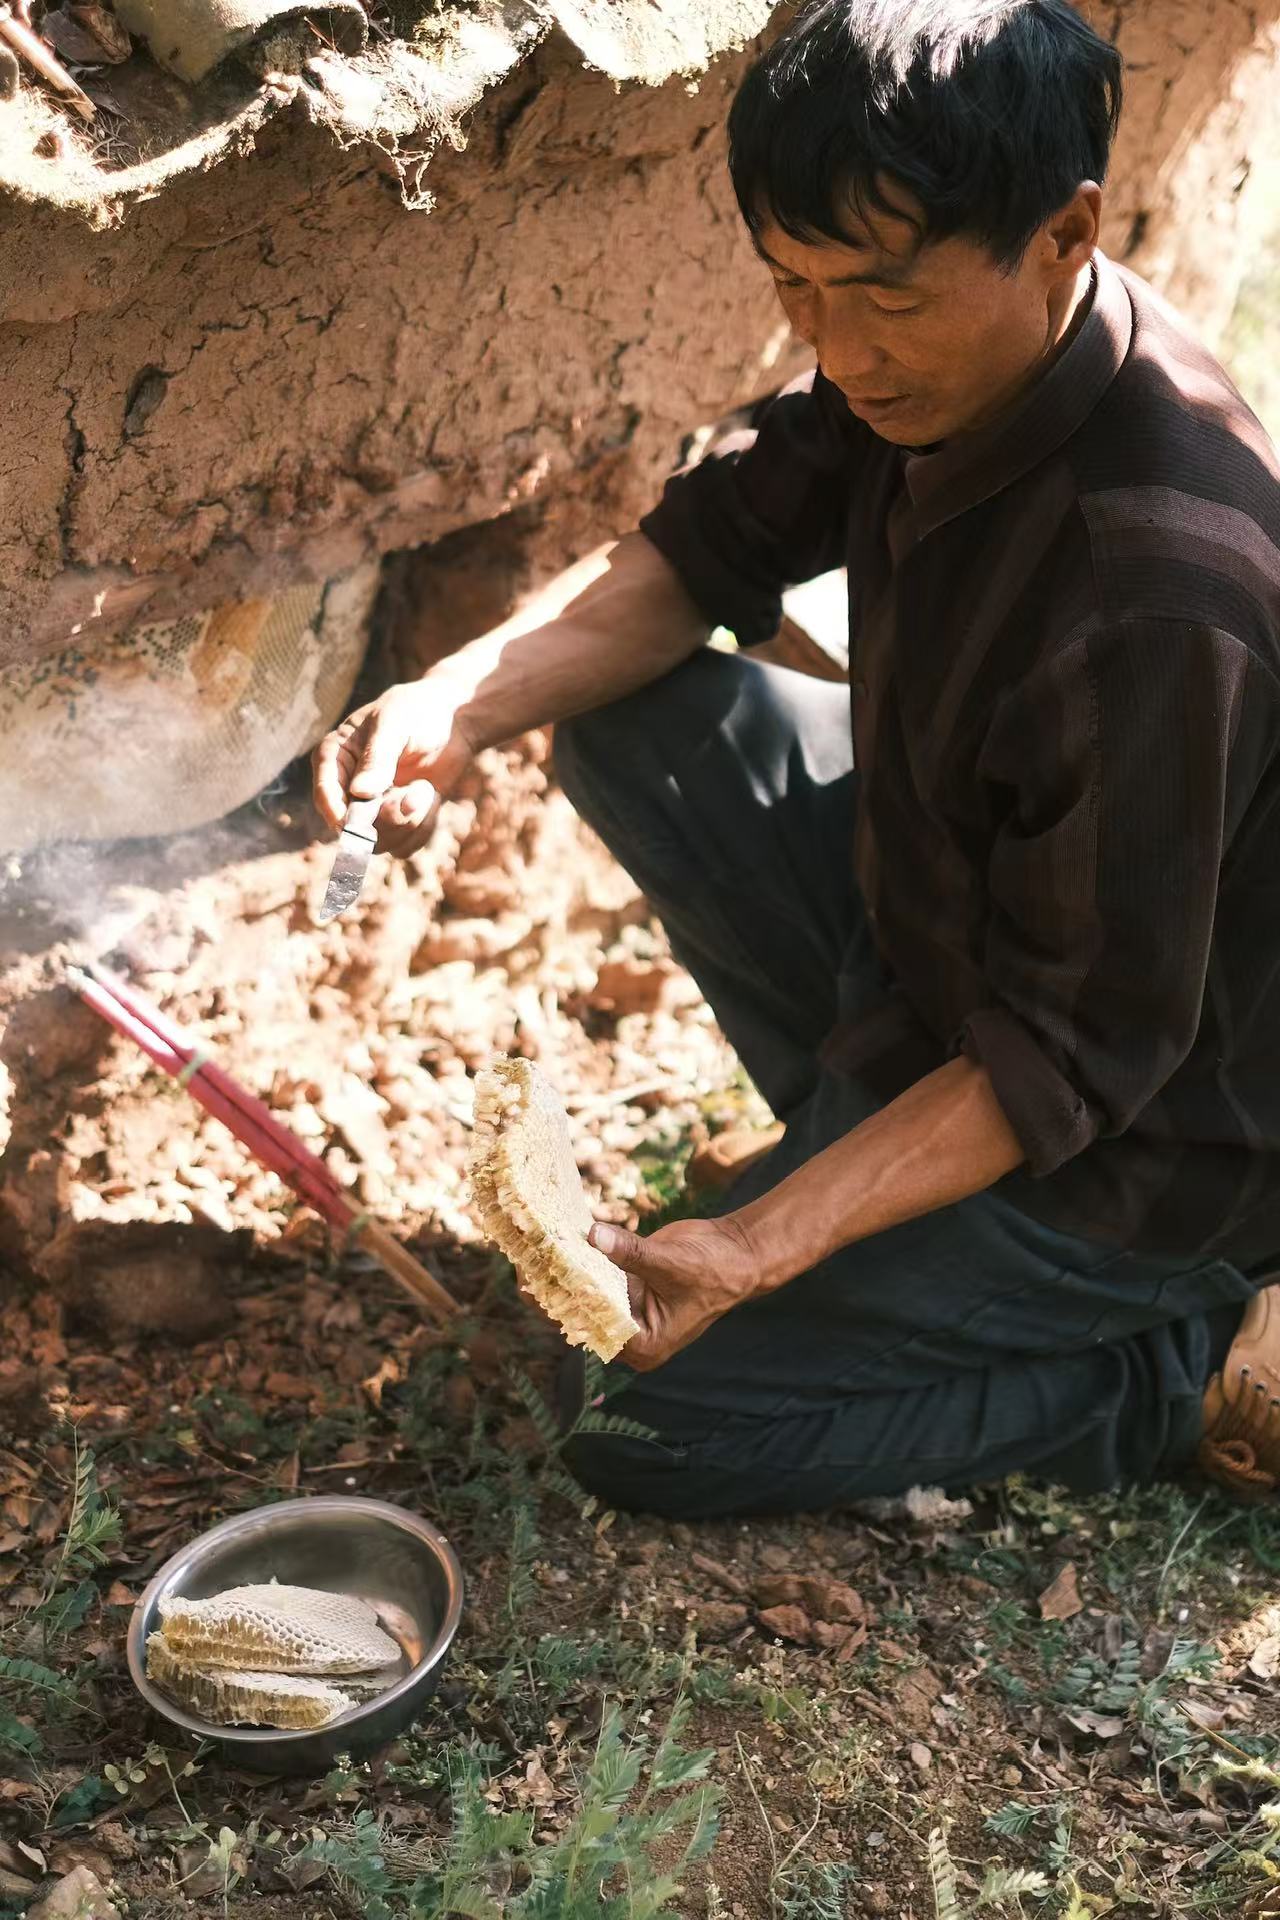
(921, 1756)
(1011, 1776)
(788, 1623)
(718, 1619)
(79, 1895)
(875, 1898)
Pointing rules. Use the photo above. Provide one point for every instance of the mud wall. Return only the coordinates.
(1199, 136)
(274, 366)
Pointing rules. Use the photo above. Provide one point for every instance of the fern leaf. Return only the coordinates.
(16, 1736)
(556, 1480)
(1012, 1820)
(471, 1902)
(1004, 1884)
(524, 1543)
(544, 1420)
(942, 1874)
(1075, 1908)
(29, 1674)
(593, 1422)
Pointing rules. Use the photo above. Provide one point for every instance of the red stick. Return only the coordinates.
(256, 1127)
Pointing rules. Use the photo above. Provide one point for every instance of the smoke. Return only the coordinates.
(156, 755)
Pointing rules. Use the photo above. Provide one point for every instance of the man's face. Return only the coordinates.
(927, 341)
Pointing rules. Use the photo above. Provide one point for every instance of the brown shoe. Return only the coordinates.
(726, 1155)
(1241, 1444)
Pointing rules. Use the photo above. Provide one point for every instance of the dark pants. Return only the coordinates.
(963, 1346)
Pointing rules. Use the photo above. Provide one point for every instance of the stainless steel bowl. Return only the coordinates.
(404, 1568)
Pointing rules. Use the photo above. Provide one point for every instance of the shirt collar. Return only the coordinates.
(974, 466)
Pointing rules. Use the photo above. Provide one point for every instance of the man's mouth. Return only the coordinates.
(872, 406)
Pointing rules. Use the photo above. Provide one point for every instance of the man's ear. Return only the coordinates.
(1071, 234)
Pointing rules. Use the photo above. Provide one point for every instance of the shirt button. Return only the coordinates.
(859, 689)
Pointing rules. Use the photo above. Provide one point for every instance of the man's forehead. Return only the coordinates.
(872, 258)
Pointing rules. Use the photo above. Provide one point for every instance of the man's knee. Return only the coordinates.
(638, 1476)
(635, 741)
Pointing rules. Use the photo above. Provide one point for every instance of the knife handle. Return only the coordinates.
(362, 817)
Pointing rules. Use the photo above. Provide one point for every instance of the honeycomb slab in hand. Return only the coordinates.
(528, 1194)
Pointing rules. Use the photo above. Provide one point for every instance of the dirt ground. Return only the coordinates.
(1026, 1707)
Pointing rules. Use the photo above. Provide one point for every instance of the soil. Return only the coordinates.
(861, 1679)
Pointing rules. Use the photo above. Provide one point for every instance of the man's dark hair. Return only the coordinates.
(989, 112)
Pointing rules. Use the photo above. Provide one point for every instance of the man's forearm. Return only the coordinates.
(944, 1139)
(614, 622)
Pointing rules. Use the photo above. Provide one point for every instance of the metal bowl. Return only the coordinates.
(402, 1567)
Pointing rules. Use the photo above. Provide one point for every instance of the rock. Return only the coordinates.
(718, 1619)
(918, 1692)
(51, 1033)
(788, 1623)
(118, 1842)
(843, 1641)
(820, 1596)
(723, 1576)
(136, 1276)
(633, 986)
(79, 1895)
(921, 1756)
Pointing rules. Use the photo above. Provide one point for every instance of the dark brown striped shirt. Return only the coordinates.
(1065, 659)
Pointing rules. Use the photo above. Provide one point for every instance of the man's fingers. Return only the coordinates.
(330, 765)
(626, 1250)
(411, 807)
(384, 742)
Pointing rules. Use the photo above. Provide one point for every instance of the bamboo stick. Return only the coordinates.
(402, 1266)
(266, 1137)
(33, 50)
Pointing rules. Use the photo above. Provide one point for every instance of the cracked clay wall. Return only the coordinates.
(274, 366)
(1188, 196)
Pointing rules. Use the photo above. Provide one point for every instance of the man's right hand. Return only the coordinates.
(408, 745)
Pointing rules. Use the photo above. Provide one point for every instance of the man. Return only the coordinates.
(1007, 962)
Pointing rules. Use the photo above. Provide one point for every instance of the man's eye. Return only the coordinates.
(895, 313)
(779, 281)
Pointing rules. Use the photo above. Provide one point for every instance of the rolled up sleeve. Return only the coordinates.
(752, 520)
(1119, 771)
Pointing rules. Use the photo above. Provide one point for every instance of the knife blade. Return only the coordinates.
(357, 844)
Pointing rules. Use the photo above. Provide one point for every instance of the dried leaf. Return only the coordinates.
(1105, 1726)
(1265, 1658)
(1061, 1598)
(388, 1374)
(288, 1386)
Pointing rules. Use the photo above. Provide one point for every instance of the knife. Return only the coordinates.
(357, 844)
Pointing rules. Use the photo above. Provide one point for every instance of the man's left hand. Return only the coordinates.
(682, 1278)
